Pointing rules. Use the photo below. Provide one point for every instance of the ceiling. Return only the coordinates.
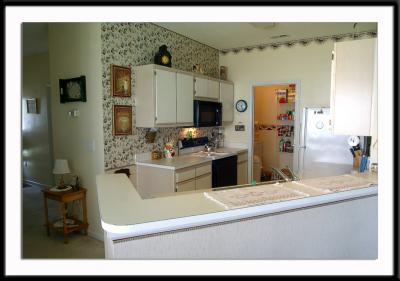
(220, 35)
(34, 38)
(228, 35)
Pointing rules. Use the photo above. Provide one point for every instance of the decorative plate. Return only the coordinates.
(55, 188)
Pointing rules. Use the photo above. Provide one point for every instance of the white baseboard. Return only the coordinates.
(96, 235)
(36, 183)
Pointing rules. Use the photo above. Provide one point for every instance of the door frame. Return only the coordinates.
(297, 122)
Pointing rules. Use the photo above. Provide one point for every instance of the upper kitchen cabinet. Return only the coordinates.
(354, 87)
(226, 98)
(184, 99)
(164, 97)
(205, 87)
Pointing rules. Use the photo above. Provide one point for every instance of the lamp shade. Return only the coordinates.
(61, 167)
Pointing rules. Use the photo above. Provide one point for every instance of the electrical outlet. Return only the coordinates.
(239, 128)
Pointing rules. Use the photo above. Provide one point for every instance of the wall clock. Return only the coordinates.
(241, 105)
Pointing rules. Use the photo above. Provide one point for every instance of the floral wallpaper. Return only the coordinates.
(132, 44)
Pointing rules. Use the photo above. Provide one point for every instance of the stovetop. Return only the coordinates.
(187, 146)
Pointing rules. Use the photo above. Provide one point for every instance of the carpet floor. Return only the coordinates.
(35, 242)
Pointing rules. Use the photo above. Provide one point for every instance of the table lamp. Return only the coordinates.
(61, 168)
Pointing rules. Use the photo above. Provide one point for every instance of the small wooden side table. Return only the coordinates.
(64, 197)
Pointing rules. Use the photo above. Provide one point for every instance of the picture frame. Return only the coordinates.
(122, 120)
(73, 89)
(32, 105)
(120, 81)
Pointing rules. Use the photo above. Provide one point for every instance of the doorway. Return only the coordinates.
(37, 142)
(274, 134)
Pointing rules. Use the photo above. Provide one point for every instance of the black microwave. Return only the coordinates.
(207, 113)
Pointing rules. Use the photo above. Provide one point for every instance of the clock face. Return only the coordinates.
(353, 140)
(241, 105)
(164, 59)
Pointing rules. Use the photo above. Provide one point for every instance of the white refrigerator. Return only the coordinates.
(320, 152)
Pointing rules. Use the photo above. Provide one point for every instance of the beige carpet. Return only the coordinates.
(35, 242)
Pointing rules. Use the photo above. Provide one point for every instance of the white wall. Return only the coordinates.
(74, 50)
(36, 141)
(310, 65)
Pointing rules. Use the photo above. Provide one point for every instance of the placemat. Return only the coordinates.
(253, 195)
(336, 183)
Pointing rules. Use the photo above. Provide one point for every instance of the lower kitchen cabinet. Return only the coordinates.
(185, 186)
(155, 181)
(242, 177)
(204, 182)
(193, 178)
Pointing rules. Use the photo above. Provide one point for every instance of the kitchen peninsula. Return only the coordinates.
(325, 218)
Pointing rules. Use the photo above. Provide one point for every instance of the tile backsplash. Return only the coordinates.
(132, 44)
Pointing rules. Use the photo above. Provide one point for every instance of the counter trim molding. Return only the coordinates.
(140, 229)
(163, 233)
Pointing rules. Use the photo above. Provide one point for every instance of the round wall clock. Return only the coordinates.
(241, 105)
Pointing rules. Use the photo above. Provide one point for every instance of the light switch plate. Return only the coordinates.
(239, 128)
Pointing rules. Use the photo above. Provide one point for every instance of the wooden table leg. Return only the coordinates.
(84, 214)
(46, 215)
(64, 212)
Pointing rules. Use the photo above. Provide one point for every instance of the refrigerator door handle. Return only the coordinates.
(302, 143)
(304, 129)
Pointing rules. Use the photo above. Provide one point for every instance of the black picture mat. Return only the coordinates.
(64, 96)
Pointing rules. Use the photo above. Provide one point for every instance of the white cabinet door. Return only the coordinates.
(200, 87)
(165, 88)
(213, 89)
(186, 186)
(242, 173)
(226, 97)
(352, 85)
(204, 182)
(184, 98)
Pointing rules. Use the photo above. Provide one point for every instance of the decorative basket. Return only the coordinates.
(155, 154)
(150, 137)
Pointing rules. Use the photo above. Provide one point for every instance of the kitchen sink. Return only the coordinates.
(211, 154)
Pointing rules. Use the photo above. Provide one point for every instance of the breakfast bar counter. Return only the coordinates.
(297, 215)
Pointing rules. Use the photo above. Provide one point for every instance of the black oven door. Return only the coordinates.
(207, 113)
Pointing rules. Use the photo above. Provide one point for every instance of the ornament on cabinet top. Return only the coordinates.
(163, 57)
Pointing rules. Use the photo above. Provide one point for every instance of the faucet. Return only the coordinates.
(209, 146)
(282, 174)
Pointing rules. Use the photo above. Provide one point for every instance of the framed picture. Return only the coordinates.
(73, 89)
(122, 120)
(31, 105)
(120, 81)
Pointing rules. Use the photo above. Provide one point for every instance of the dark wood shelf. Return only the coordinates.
(64, 197)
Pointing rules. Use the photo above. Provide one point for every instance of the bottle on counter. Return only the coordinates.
(287, 146)
(281, 145)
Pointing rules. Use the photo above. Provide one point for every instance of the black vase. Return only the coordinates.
(163, 57)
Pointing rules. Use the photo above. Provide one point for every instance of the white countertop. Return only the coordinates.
(187, 160)
(125, 214)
